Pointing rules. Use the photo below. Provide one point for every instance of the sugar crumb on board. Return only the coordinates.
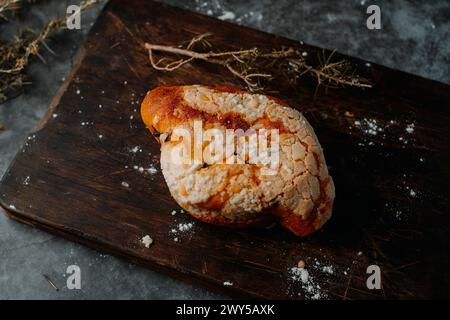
(150, 170)
(217, 9)
(227, 15)
(228, 283)
(410, 128)
(174, 212)
(135, 149)
(411, 192)
(26, 181)
(182, 228)
(147, 241)
(328, 269)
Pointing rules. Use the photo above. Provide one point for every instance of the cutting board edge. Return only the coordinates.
(104, 248)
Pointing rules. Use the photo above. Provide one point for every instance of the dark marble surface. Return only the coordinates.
(415, 37)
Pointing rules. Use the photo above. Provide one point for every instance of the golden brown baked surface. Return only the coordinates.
(299, 194)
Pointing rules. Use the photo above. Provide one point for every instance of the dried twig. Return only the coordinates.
(225, 59)
(8, 6)
(14, 57)
(253, 65)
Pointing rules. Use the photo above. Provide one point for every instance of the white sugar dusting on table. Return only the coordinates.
(181, 229)
(311, 290)
(303, 281)
(227, 15)
(135, 149)
(378, 131)
(27, 180)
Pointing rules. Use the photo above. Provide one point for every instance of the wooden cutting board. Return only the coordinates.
(78, 176)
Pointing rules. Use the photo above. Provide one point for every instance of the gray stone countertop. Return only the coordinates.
(414, 37)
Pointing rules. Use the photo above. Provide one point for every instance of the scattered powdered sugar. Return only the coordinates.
(174, 212)
(250, 16)
(150, 170)
(227, 15)
(328, 269)
(27, 143)
(369, 126)
(12, 206)
(412, 192)
(181, 229)
(125, 184)
(27, 180)
(377, 131)
(410, 128)
(136, 149)
(147, 241)
(302, 276)
(228, 283)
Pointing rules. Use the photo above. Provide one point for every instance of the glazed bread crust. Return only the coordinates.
(299, 195)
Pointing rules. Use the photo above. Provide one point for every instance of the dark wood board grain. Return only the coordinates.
(392, 187)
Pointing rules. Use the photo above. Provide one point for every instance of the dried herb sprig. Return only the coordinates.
(15, 56)
(254, 65)
(7, 6)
